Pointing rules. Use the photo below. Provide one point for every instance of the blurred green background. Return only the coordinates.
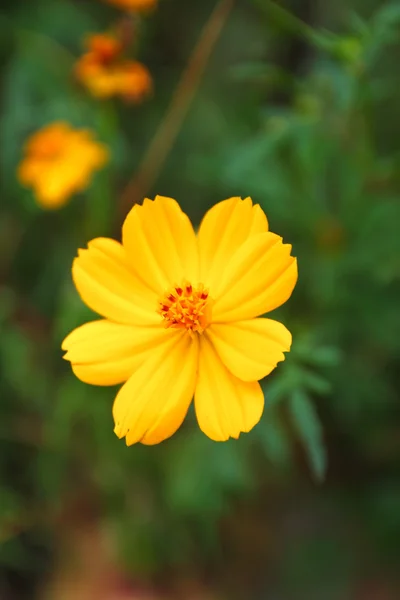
(299, 108)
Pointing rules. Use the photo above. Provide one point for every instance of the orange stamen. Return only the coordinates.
(186, 307)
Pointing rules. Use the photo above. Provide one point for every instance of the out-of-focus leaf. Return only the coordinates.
(65, 21)
(382, 260)
(260, 72)
(7, 304)
(387, 15)
(22, 369)
(274, 438)
(276, 389)
(220, 469)
(71, 312)
(316, 383)
(308, 426)
(10, 507)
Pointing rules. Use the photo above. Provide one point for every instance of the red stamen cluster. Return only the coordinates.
(186, 308)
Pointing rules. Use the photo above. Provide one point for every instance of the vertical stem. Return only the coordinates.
(185, 91)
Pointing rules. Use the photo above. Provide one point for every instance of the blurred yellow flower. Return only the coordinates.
(105, 73)
(180, 317)
(104, 46)
(59, 161)
(134, 5)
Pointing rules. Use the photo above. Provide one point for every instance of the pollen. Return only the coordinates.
(186, 307)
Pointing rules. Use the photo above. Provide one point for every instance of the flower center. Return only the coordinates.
(105, 49)
(186, 307)
(51, 146)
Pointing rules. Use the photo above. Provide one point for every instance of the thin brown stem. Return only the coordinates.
(171, 124)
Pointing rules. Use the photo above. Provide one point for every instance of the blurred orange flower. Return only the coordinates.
(105, 72)
(134, 5)
(180, 317)
(59, 161)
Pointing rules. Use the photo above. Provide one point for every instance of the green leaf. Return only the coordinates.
(274, 439)
(220, 470)
(316, 383)
(23, 371)
(309, 428)
(276, 390)
(260, 72)
(388, 15)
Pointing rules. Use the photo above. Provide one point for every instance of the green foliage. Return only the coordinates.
(305, 120)
(309, 429)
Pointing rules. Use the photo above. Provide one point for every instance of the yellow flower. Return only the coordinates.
(180, 317)
(132, 81)
(59, 161)
(104, 47)
(134, 5)
(105, 73)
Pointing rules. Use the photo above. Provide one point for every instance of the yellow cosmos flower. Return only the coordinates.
(134, 5)
(105, 73)
(180, 317)
(59, 161)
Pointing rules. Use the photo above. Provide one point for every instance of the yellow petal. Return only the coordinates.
(50, 136)
(225, 227)
(110, 373)
(151, 406)
(84, 154)
(225, 405)
(161, 244)
(250, 349)
(260, 277)
(107, 353)
(30, 170)
(259, 222)
(56, 184)
(108, 286)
